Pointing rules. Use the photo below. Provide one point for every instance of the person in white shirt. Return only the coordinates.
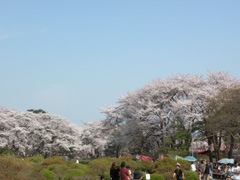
(193, 167)
(236, 171)
(129, 170)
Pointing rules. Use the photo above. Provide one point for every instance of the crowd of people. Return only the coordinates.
(124, 173)
(206, 170)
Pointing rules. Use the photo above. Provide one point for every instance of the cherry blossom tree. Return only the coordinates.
(154, 107)
(37, 133)
(142, 118)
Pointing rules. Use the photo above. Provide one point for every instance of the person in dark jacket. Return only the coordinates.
(207, 172)
(114, 172)
(137, 175)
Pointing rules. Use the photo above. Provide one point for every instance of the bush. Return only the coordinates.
(79, 166)
(84, 161)
(51, 167)
(167, 166)
(58, 169)
(54, 160)
(146, 166)
(106, 175)
(48, 174)
(101, 165)
(189, 175)
(71, 173)
(35, 159)
(154, 177)
(6, 151)
(17, 169)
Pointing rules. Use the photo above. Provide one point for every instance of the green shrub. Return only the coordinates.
(79, 166)
(189, 175)
(84, 161)
(51, 167)
(58, 169)
(17, 169)
(35, 159)
(6, 151)
(100, 165)
(48, 174)
(71, 173)
(167, 166)
(106, 175)
(146, 166)
(154, 177)
(53, 160)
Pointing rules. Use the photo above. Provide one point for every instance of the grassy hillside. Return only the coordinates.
(53, 168)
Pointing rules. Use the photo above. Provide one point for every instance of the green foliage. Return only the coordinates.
(106, 175)
(85, 161)
(79, 166)
(5, 151)
(73, 173)
(58, 169)
(100, 165)
(54, 166)
(167, 166)
(189, 175)
(37, 111)
(165, 149)
(53, 160)
(179, 153)
(17, 169)
(48, 174)
(35, 159)
(178, 141)
(154, 177)
(146, 166)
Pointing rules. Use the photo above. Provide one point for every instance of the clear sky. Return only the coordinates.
(72, 57)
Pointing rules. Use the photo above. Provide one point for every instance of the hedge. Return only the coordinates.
(72, 173)
(189, 175)
(48, 174)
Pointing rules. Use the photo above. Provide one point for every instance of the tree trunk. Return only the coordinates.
(219, 147)
(210, 152)
(117, 151)
(231, 147)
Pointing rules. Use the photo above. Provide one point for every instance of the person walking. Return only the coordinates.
(207, 172)
(178, 173)
(211, 169)
(124, 173)
(202, 167)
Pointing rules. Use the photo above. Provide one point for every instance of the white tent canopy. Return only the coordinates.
(226, 161)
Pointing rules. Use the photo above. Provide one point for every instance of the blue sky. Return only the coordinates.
(72, 57)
